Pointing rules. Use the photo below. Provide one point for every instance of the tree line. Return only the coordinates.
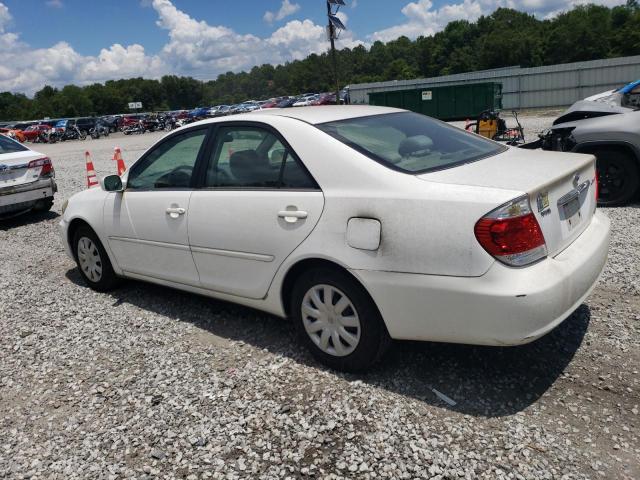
(505, 38)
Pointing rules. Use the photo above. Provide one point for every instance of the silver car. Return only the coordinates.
(608, 126)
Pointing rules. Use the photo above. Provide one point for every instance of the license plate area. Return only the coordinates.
(570, 212)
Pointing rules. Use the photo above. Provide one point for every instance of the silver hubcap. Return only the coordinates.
(331, 320)
(89, 259)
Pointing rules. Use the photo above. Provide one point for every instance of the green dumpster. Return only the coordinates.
(453, 102)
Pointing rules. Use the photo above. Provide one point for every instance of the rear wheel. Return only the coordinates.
(92, 260)
(618, 177)
(337, 320)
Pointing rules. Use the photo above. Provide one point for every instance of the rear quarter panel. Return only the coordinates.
(427, 227)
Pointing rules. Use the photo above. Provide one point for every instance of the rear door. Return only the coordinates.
(256, 205)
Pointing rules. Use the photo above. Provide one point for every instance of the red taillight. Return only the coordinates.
(45, 164)
(595, 181)
(511, 234)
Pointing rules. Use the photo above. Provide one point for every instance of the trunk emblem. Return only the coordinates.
(542, 202)
(4, 167)
(576, 180)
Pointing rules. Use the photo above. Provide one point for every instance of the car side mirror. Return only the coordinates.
(112, 183)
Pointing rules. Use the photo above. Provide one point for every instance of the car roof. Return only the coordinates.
(324, 113)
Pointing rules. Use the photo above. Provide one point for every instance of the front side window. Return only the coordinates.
(170, 164)
(252, 157)
(411, 142)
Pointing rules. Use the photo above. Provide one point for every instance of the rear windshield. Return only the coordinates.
(411, 142)
(9, 146)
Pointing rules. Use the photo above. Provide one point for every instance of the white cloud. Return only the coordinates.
(5, 17)
(55, 3)
(287, 8)
(193, 48)
(423, 19)
(196, 47)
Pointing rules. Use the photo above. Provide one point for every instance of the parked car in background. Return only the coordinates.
(374, 223)
(305, 101)
(113, 122)
(86, 124)
(13, 133)
(62, 125)
(34, 131)
(286, 103)
(27, 179)
(325, 99)
(222, 110)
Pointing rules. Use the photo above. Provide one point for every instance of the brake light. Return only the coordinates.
(595, 182)
(511, 234)
(45, 164)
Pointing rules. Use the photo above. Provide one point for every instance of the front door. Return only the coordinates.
(147, 223)
(258, 203)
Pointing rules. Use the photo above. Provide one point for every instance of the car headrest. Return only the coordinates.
(247, 166)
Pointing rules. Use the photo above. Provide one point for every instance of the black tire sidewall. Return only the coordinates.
(373, 332)
(109, 279)
(632, 176)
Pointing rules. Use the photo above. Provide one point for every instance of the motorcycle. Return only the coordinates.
(73, 133)
(137, 128)
(98, 131)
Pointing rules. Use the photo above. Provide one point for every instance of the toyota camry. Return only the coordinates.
(361, 224)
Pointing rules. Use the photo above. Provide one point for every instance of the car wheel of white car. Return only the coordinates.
(337, 320)
(92, 260)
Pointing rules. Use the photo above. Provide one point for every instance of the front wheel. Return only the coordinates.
(92, 260)
(337, 320)
(618, 178)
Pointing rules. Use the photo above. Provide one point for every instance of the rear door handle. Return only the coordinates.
(175, 212)
(292, 216)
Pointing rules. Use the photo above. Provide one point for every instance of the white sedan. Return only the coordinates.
(362, 224)
(27, 179)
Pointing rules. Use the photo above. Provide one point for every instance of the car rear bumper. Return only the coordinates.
(505, 306)
(23, 197)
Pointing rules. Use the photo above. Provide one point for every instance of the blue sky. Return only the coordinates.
(57, 42)
(90, 25)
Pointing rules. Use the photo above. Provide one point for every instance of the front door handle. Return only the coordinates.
(175, 212)
(292, 216)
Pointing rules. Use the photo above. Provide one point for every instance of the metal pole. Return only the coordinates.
(332, 34)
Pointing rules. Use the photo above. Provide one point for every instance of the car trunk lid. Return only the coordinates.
(15, 171)
(560, 188)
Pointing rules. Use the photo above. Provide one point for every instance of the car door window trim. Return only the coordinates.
(207, 158)
(207, 131)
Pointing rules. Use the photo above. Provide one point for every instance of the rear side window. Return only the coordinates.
(253, 157)
(411, 142)
(9, 146)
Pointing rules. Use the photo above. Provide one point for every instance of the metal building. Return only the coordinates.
(537, 87)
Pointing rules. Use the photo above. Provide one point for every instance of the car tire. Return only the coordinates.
(354, 338)
(89, 254)
(618, 177)
(44, 205)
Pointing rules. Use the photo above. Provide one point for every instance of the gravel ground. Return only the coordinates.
(147, 382)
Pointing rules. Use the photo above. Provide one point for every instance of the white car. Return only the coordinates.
(307, 100)
(27, 179)
(360, 223)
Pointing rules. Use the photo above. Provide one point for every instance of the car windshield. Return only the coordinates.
(411, 142)
(9, 146)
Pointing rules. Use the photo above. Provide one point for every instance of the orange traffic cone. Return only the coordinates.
(117, 156)
(92, 180)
